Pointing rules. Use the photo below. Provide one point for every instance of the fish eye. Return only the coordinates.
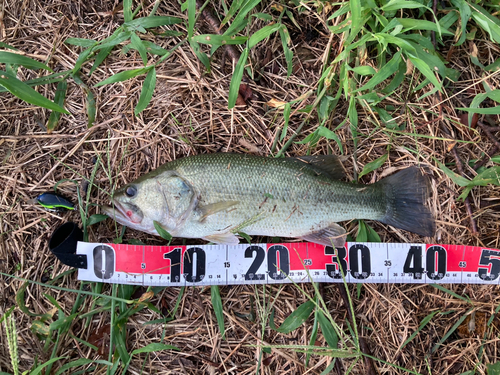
(131, 191)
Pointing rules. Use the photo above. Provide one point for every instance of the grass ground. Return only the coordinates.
(423, 329)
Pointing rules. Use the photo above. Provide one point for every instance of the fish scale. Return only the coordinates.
(302, 201)
(214, 196)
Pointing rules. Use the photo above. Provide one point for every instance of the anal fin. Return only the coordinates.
(227, 238)
(333, 234)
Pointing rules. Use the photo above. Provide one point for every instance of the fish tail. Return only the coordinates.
(406, 193)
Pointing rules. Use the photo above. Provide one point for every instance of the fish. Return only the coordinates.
(218, 196)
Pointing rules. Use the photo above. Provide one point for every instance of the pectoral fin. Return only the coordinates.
(332, 234)
(227, 238)
(213, 208)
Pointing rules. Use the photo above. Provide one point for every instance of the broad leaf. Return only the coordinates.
(14, 58)
(295, 319)
(26, 93)
(236, 80)
(148, 88)
(59, 98)
(375, 164)
(122, 76)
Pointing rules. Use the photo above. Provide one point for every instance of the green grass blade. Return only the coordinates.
(59, 98)
(422, 324)
(127, 10)
(401, 4)
(366, 234)
(90, 107)
(262, 34)
(356, 20)
(200, 54)
(162, 232)
(314, 334)
(329, 332)
(411, 24)
(465, 14)
(150, 47)
(483, 111)
(5, 45)
(451, 293)
(235, 5)
(148, 88)
(26, 93)
(386, 71)
(122, 76)
(295, 319)
(371, 166)
(285, 41)
(236, 79)
(96, 218)
(80, 362)
(14, 58)
(139, 46)
(488, 25)
(82, 57)
(191, 17)
(51, 78)
(39, 369)
(80, 42)
(459, 180)
(119, 36)
(153, 21)
(218, 309)
(451, 330)
(425, 70)
(286, 118)
(240, 18)
(154, 347)
(101, 56)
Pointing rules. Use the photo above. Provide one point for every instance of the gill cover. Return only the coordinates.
(180, 199)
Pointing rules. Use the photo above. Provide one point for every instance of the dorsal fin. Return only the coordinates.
(329, 165)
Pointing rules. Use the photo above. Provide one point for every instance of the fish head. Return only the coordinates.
(166, 198)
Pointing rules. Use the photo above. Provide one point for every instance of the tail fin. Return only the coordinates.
(406, 193)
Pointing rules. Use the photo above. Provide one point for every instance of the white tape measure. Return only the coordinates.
(288, 262)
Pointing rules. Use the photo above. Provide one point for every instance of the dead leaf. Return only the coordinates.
(473, 49)
(464, 119)
(100, 338)
(275, 103)
(450, 146)
(138, 292)
(409, 67)
(240, 101)
(249, 145)
(473, 325)
(146, 296)
(267, 361)
(245, 91)
(165, 308)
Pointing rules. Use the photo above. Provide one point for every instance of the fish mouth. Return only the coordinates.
(117, 213)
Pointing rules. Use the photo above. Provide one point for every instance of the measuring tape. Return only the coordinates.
(286, 263)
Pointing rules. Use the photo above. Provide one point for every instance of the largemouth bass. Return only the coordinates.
(215, 196)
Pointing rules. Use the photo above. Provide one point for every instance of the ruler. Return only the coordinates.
(297, 262)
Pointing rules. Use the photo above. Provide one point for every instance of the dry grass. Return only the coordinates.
(188, 115)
